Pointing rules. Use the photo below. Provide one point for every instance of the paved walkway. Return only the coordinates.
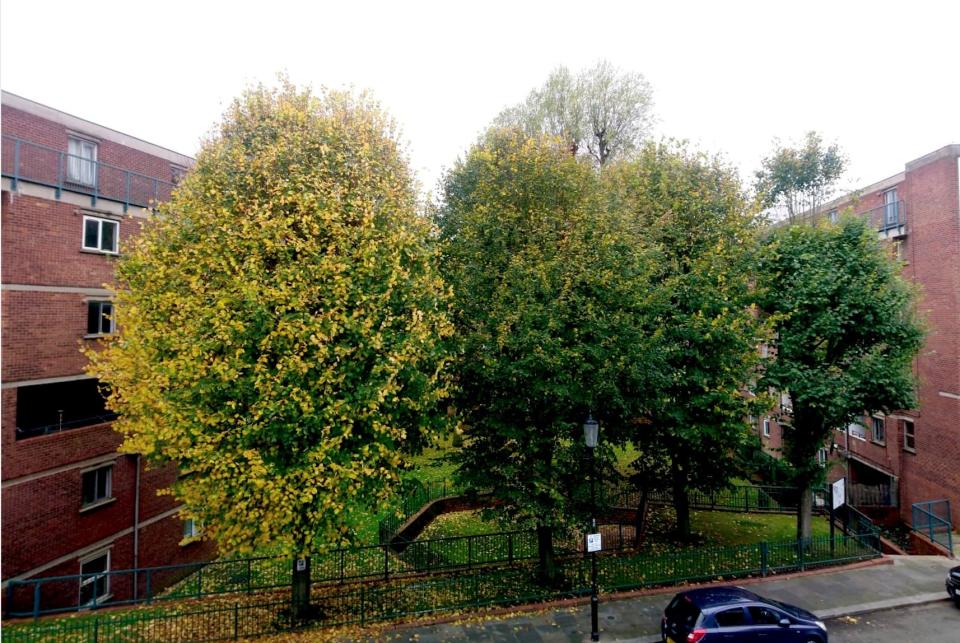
(909, 580)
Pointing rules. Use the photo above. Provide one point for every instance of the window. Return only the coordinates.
(879, 430)
(82, 162)
(100, 234)
(857, 430)
(766, 427)
(177, 173)
(99, 318)
(891, 209)
(909, 437)
(832, 215)
(49, 408)
(822, 455)
(731, 618)
(191, 529)
(763, 615)
(94, 578)
(97, 485)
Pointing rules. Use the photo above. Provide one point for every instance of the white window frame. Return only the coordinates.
(191, 528)
(79, 165)
(822, 455)
(108, 497)
(110, 320)
(890, 205)
(100, 221)
(883, 429)
(912, 434)
(766, 427)
(857, 431)
(92, 579)
(833, 215)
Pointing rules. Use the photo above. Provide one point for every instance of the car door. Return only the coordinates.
(766, 625)
(733, 625)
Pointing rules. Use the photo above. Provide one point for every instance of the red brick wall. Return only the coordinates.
(34, 129)
(42, 242)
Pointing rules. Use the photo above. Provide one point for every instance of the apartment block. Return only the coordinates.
(74, 195)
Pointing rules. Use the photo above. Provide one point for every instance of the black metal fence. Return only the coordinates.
(933, 520)
(395, 598)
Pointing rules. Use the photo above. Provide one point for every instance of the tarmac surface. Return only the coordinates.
(898, 582)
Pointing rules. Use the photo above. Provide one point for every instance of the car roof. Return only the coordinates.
(706, 597)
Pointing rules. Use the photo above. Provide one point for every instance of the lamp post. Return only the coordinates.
(591, 430)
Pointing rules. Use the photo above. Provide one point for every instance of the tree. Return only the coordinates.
(693, 210)
(281, 324)
(846, 336)
(552, 315)
(797, 180)
(602, 112)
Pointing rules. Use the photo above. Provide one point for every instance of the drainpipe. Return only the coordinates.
(136, 530)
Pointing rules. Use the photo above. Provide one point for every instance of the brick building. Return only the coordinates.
(74, 194)
(911, 455)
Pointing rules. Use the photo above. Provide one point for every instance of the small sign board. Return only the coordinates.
(301, 564)
(839, 493)
(593, 542)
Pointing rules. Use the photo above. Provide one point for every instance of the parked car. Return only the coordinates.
(736, 615)
(953, 584)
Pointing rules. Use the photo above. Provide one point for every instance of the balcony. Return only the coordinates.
(65, 172)
(890, 219)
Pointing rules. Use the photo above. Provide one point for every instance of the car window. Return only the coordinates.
(763, 615)
(731, 618)
(682, 611)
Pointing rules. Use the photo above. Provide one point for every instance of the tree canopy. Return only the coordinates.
(601, 113)
(797, 180)
(693, 211)
(553, 316)
(281, 324)
(847, 334)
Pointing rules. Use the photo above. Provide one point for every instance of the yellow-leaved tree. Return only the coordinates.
(281, 324)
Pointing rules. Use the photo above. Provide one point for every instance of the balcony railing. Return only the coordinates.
(890, 217)
(65, 172)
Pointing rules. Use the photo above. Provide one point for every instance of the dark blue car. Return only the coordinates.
(736, 615)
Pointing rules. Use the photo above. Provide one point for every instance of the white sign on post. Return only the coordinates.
(301, 564)
(839, 493)
(593, 543)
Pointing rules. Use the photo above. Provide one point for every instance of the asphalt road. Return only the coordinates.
(931, 623)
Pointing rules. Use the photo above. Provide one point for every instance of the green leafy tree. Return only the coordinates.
(796, 180)
(846, 336)
(281, 324)
(693, 211)
(552, 315)
(601, 113)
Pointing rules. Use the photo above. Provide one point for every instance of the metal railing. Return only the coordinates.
(65, 172)
(888, 216)
(34, 431)
(746, 498)
(366, 603)
(933, 520)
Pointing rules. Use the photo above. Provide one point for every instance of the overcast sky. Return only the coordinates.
(882, 79)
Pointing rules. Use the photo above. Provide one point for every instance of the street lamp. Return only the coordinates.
(591, 431)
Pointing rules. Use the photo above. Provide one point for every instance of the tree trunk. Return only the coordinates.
(548, 565)
(681, 503)
(804, 511)
(300, 597)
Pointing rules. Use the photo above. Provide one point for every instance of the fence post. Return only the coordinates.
(149, 585)
(362, 606)
(510, 547)
(341, 565)
(469, 552)
(96, 629)
(803, 546)
(764, 558)
(249, 577)
(236, 621)
(746, 496)
(386, 562)
(36, 600)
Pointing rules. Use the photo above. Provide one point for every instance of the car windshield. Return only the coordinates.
(683, 611)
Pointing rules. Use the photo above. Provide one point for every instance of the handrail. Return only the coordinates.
(33, 162)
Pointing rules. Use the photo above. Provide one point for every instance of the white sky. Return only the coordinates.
(880, 78)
